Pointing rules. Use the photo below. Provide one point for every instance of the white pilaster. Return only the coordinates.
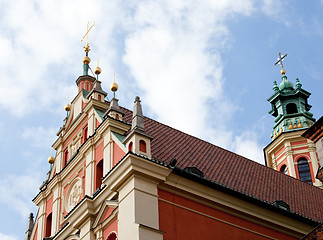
(91, 122)
(136, 180)
(107, 152)
(56, 208)
(89, 172)
(290, 159)
(139, 207)
(41, 220)
(85, 231)
(314, 161)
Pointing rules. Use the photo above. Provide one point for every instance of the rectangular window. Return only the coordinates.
(85, 133)
(99, 174)
(65, 157)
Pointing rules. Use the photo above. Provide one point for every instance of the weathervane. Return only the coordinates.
(87, 46)
(280, 60)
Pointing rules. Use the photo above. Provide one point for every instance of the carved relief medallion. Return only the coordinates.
(73, 194)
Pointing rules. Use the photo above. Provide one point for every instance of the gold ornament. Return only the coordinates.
(67, 107)
(51, 160)
(282, 71)
(300, 124)
(86, 60)
(114, 87)
(97, 70)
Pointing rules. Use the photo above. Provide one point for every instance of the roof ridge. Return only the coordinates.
(213, 145)
(197, 138)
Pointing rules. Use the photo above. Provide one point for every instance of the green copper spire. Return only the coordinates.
(275, 88)
(298, 84)
(289, 106)
(286, 85)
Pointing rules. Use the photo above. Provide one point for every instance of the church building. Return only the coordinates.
(120, 175)
(289, 151)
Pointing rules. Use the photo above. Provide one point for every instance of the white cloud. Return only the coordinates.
(17, 191)
(7, 237)
(172, 50)
(276, 10)
(173, 54)
(39, 136)
(247, 145)
(40, 50)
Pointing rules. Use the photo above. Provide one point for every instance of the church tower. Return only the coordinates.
(288, 151)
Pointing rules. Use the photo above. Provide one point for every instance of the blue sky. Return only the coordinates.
(205, 68)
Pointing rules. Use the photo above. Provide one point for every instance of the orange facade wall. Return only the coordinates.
(111, 227)
(49, 206)
(117, 153)
(281, 158)
(279, 151)
(298, 142)
(107, 214)
(36, 233)
(98, 153)
(75, 132)
(181, 218)
(300, 148)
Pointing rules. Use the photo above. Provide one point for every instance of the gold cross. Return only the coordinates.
(87, 47)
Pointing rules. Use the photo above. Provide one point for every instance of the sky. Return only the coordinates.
(204, 67)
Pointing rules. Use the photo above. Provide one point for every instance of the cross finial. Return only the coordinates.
(280, 60)
(87, 46)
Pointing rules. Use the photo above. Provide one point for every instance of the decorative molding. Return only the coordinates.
(73, 194)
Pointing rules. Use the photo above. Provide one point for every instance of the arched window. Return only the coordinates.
(130, 148)
(283, 169)
(112, 236)
(142, 146)
(48, 225)
(99, 98)
(291, 108)
(304, 170)
(117, 116)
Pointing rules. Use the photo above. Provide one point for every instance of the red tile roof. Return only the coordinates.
(232, 170)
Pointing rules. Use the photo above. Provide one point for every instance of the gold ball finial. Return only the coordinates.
(114, 87)
(67, 107)
(97, 70)
(86, 60)
(282, 71)
(51, 160)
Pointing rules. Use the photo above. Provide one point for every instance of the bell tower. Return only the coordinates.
(288, 151)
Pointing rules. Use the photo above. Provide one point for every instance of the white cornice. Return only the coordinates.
(131, 165)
